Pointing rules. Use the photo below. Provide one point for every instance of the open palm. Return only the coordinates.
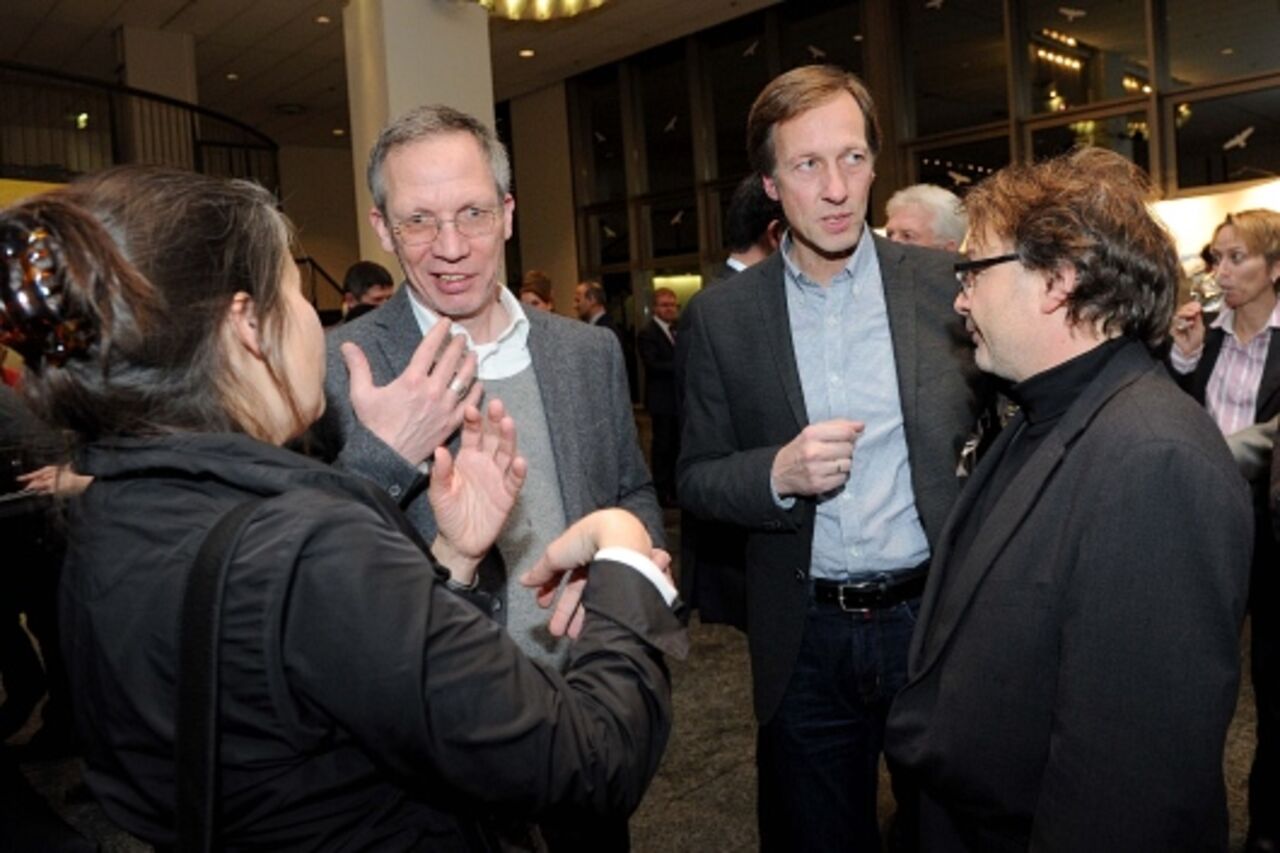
(473, 492)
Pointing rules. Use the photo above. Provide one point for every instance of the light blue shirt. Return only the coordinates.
(844, 354)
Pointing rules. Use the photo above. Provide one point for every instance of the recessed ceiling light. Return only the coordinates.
(232, 76)
(527, 53)
(323, 19)
(338, 131)
(1227, 51)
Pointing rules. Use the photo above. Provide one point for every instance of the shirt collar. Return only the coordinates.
(856, 261)
(504, 356)
(1226, 321)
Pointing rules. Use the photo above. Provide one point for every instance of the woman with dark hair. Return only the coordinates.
(365, 701)
(1233, 369)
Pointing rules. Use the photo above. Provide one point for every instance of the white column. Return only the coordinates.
(544, 180)
(163, 63)
(403, 53)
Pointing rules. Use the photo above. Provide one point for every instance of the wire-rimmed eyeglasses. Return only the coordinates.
(967, 272)
(422, 229)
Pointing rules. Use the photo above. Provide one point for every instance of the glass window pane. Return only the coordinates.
(664, 106)
(955, 64)
(957, 167)
(1212, 42)
(822, 31)
(674, 226)
(608, 236)
(1128, 135)
(1083, 56)
(1236, 138)
(736, 69)
(599, 98)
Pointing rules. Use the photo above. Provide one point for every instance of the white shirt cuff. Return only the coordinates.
(644, 566)
(1184, 363)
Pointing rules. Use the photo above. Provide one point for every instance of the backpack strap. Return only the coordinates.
(196, 746)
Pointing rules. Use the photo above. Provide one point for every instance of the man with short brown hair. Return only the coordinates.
(827, 397)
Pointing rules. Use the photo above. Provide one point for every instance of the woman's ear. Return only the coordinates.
(242, 320)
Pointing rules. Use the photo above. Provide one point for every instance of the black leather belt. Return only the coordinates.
(872, 594)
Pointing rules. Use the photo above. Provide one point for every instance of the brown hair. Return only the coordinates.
(1088, 209)
(538, 283)
(797, 91)
(149, 259)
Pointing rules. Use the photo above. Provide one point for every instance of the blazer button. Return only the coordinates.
(800, 576)
(393, 490)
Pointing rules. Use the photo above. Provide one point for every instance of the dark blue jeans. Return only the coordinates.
(818, 757)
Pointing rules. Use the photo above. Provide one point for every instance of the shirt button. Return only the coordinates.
(855, 551)
(394, 491)
(835, 379)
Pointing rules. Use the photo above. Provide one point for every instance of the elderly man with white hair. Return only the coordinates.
(926, 215)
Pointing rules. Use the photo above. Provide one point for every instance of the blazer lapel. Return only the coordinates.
(900, 302)
(946, 539)
(559, 404)
(400, 333)
(775, 321)
(1021, 495)
(1270, 384)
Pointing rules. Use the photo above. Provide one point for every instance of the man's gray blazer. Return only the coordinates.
(589, 416)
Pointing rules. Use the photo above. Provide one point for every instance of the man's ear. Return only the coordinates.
(379, 223)
(242, 320)
(1059, 285)
(770, 187)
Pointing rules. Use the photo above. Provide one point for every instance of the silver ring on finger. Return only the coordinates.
(458, 387)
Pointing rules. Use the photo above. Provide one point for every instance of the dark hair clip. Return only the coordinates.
(36, 318)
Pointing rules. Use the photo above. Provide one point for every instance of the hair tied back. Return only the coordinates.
(36, 314)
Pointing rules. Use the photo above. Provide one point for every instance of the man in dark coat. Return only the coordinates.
(838, 339)
(1076, 661)
(656, 345)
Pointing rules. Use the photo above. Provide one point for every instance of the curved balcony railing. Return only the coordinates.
(55, 126)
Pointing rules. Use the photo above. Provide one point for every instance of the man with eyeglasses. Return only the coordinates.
(1076, 661)
(399, 378)
(827, 396)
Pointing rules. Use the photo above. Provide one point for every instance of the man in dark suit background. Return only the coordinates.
(827, 396)
(656, 345)
(753, 227)
(1076, 661)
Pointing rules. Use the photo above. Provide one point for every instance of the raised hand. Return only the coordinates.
(472, 494)
(818, 459)
(418, 410)
(1188, 328)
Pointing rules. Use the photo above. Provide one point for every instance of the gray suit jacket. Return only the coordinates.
(743, 402)
(589, 415)
(1073, 675)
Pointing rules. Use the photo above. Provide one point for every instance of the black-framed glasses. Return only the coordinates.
(967, 272)
(422, 229)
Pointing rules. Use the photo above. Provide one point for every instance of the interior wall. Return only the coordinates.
(544, 190)
(319, 197)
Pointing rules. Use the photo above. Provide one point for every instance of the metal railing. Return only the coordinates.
(55, 126)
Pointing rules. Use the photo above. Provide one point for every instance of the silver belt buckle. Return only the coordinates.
(879, 586)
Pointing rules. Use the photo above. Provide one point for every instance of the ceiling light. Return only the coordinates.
(338, 131)
(1227, 51)
(323, 19)
(233, 76)
(538, 10)
(527, 53)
